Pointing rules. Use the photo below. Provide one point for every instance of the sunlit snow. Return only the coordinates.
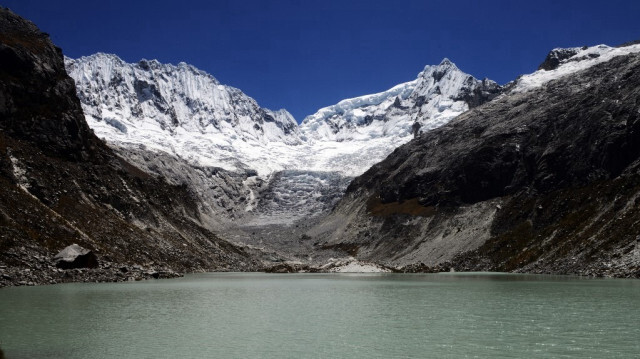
(583, 59)
(186, 112)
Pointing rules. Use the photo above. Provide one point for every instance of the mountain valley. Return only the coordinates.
(160, 168)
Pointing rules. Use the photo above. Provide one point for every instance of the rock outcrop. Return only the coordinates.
(38, 102)
(75, 256)
(555, 57)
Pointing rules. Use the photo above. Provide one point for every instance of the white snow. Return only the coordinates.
(428, 100)
(583, 59)
(180, 110)
(187, 113)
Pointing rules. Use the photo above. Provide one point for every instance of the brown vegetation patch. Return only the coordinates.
(411, 207)
(18, 39)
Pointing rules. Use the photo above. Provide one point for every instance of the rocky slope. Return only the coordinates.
(543, 179)
(62, 185)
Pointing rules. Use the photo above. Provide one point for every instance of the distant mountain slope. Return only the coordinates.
(545, 178)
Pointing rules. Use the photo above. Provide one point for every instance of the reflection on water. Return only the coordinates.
(325, 316)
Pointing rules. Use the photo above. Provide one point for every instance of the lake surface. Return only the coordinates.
(234, 315)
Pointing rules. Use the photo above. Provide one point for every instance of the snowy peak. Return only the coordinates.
(438, 94)
(446, 62)
(168, 98)
(351, 113)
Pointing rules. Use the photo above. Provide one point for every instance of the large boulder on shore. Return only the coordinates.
(75, 256)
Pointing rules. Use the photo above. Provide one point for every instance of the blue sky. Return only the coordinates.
(304, 54)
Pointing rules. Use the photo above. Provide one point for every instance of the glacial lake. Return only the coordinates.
(255, 315)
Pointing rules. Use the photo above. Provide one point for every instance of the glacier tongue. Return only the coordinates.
(294, 195)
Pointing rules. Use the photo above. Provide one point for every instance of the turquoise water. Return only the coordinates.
(257, 315)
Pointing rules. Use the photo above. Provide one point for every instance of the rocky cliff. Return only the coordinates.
(62, 185)
(543, 179)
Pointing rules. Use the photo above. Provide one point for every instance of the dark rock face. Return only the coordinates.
(533, 181)
(289, 268)
(629, 43)
(75, 256)
(555, 56)
(38, 101)
(59, 184)
(481, 93)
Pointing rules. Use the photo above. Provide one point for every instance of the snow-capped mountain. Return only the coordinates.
(186, 112)
(179, 110)
(543, 163)
(437, 95)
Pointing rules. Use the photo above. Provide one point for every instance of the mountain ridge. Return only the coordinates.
(124, 102)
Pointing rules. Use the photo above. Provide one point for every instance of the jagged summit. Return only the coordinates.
(170, 96)
(177, 109)
(438, 94)
(446, 62)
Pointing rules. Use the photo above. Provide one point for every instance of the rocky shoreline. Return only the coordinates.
(114, 272)
(106, 272)
(30, 267)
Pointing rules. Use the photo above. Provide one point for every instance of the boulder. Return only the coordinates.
(75, 256)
